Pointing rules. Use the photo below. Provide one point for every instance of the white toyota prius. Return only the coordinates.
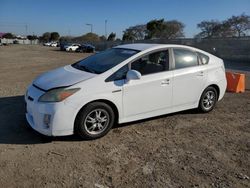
(123, 84)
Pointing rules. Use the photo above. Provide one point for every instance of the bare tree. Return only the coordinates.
(209, 29)
(136, 32)
(240, 24)
(234, 26)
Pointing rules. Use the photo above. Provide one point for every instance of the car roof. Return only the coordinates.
(146, 46)
(137, 46)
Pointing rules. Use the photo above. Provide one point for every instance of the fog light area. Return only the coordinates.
(46, 120)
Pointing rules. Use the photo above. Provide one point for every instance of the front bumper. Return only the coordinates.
(62, 116)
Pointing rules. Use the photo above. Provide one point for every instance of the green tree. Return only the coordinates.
(172, 29)
(90, 37)
(46, 37)
(32, 37)
(102, 38)
(9, 36)
(54, 36)
(154, 28)
(128, 35)
(111, 37)
(65, 39)
(164, 29)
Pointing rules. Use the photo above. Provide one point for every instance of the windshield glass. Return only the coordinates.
(104, 61)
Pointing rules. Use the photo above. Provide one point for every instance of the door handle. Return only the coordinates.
(165, 82)
(201, 73)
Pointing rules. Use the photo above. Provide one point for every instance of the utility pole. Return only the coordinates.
(106, 28)
(91, 27)
(26, 29)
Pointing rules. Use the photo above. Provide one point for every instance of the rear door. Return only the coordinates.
(189, 78)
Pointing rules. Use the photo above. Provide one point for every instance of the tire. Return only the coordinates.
(90, 122)
(208, 100)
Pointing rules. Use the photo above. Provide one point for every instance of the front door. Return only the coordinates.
(154, 90)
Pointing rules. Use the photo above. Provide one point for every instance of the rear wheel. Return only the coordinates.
(208, 99)
(94, 121)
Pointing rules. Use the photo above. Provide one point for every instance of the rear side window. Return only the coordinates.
(204, 58)
(185, 58)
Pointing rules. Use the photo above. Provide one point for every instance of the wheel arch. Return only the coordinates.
(108, 102)
(216, 87)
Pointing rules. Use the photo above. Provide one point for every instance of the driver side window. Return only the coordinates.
(152, 63)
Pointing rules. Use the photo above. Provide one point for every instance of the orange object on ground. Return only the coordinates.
(235, 82)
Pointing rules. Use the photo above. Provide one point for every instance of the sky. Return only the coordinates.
(69, 17)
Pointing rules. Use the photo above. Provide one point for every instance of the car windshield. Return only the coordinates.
(104, 61)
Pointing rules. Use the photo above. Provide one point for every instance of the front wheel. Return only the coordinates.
(94, 121)
(208, 100)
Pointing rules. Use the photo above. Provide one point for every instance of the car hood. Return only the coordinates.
(61, 77)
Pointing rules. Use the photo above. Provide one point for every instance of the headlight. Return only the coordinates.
(57, 95)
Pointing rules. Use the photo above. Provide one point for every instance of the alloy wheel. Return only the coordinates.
(96, 121)
(209, 100)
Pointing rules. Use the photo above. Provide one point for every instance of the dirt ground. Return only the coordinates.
(184, 149)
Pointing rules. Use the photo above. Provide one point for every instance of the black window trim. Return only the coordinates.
(151, 52)
(200, 60)
(145, 54)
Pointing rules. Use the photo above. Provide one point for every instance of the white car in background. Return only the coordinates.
(47, 43)
(123, 84)
(54, 44)
(72, 47)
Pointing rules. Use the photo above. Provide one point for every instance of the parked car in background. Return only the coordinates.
(123, 84)
(63, 46)
(47, 43)
(54, 44)
(86, 48)
(72, 47)
(15, 42)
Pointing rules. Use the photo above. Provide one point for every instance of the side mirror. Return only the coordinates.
(133, 75)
